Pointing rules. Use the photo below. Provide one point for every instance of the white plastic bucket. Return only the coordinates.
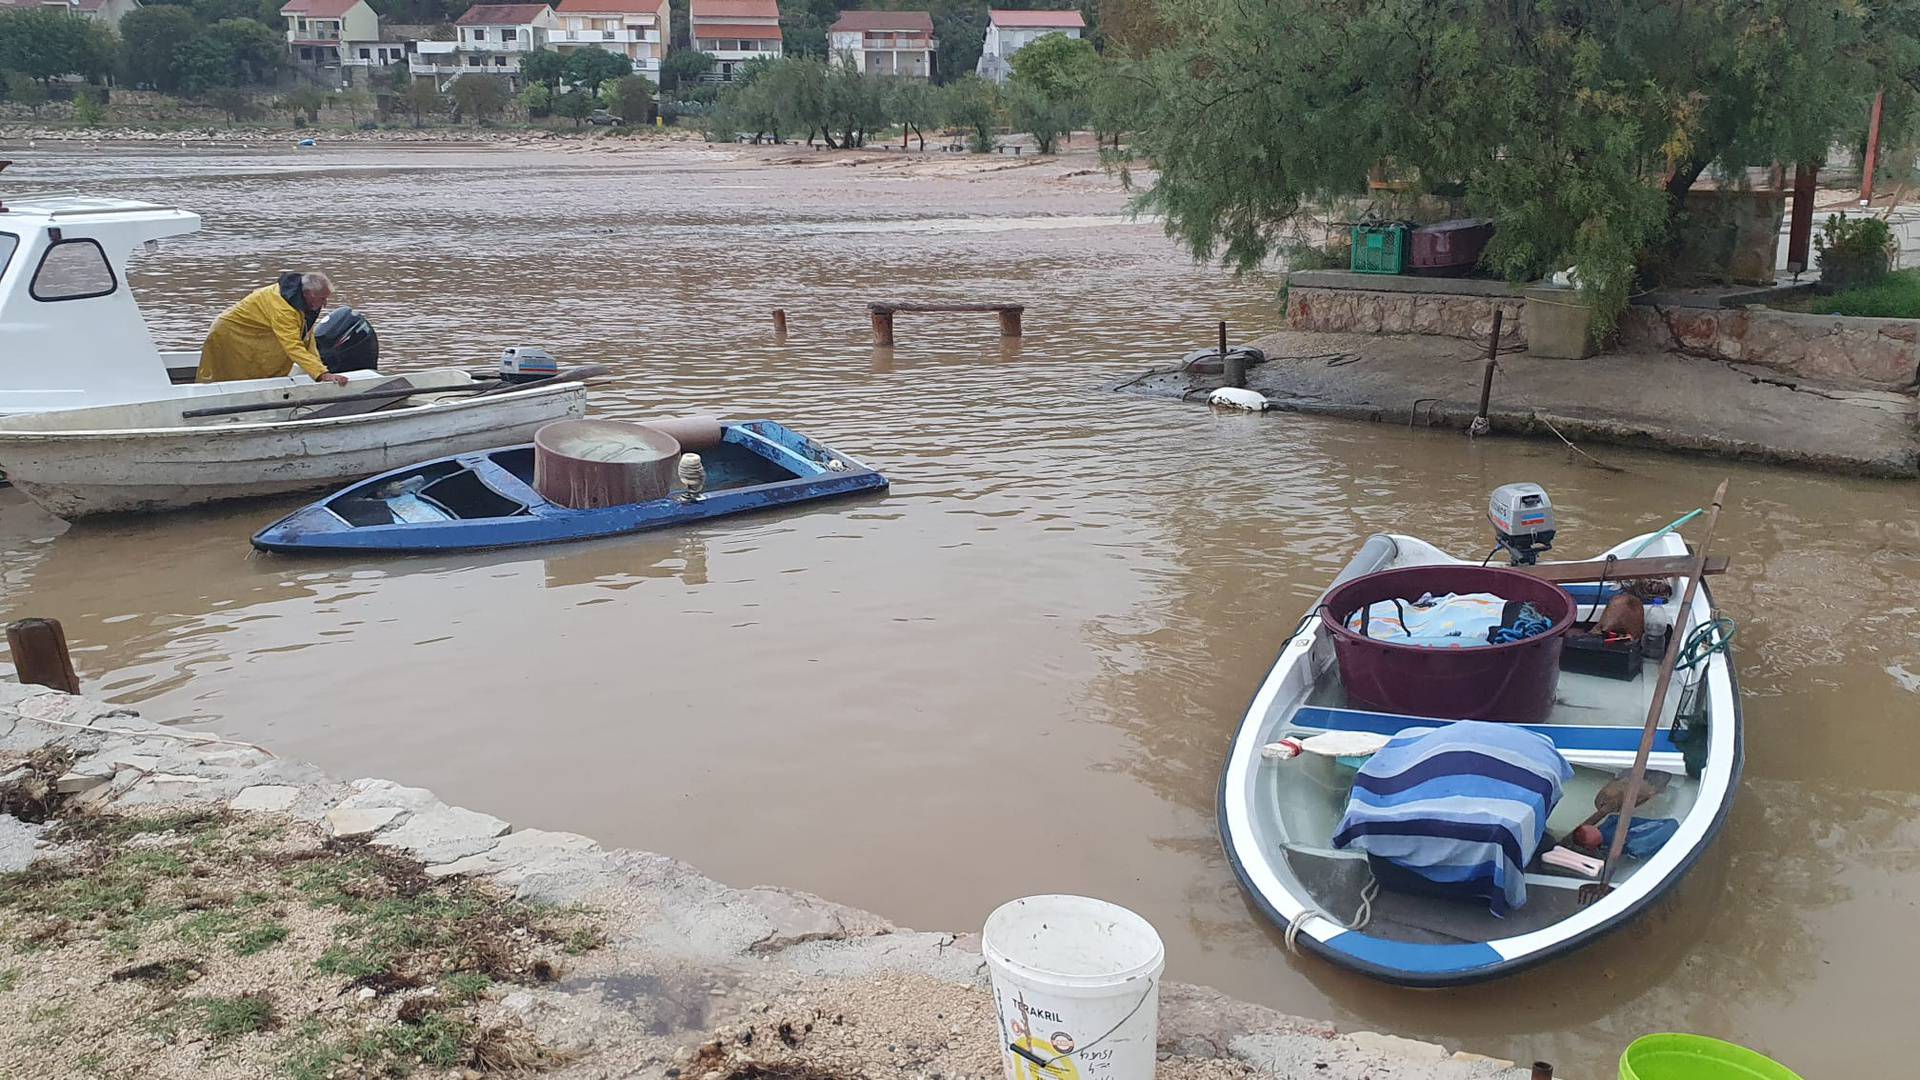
(1076, 982)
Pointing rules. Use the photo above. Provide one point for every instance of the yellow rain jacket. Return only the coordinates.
(264, 335)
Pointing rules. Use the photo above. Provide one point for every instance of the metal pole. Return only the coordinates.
(1234, 368)
(40, 656)
(1481, 425)
(1800, 231)
(1873, 149)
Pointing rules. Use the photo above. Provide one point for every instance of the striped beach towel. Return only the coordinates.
(1460, 808)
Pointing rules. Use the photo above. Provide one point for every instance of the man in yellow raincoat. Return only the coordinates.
(269, 333)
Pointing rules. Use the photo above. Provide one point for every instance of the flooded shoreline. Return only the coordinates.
(1016, 672)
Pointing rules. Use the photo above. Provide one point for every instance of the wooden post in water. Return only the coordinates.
(780, 322)
(40, 656)
(1232, 368)
(1481, 425)
(882, 328)
(1010, 322)
(1542, 1071)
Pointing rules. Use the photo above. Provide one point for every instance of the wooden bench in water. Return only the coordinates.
(883, 312)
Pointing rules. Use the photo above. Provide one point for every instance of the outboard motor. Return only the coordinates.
(526, 363)
(347, 342)
(1522, 518)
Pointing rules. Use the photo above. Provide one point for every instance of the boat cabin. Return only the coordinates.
(71, 333)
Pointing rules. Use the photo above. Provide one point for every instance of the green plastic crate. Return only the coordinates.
(1378, 249)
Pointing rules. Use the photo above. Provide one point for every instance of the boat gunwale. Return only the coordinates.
(1505, 965)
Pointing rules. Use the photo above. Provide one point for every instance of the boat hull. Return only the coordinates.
(1266, 869)
(84, 473)
(813, 472)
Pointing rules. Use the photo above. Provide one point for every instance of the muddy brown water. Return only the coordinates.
(1017, 671)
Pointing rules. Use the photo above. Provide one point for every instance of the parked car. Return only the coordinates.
(603, 118)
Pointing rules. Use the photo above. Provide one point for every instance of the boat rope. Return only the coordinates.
(1713, 636)
(1361, 916)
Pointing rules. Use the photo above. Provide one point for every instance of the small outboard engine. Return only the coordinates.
(525, 363)
(347, 342)
(1522, 518)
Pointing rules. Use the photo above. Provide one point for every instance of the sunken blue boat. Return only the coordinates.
(486, 499)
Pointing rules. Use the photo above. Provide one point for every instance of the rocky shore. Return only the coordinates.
(609, 963)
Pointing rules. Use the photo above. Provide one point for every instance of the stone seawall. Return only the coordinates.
(692, 968)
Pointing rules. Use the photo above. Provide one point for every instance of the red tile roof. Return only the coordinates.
(500, 15)
(734, 9)
(616, 7)
(750, 31)
(319, 9)
(1048, 19)
(917, 21)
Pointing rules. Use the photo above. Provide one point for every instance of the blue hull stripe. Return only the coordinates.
(1406, 956)
(1564, 736)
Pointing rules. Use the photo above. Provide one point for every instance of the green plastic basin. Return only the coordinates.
(1673, 1056)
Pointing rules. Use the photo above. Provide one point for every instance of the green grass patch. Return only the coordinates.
(257, 938)
(464, 986)
(437, 1041)
(229, 1017)
(1896, 296)
(9, 978)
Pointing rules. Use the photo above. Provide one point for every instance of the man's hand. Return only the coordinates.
(333, 377)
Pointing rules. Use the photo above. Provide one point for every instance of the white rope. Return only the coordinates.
(1361, 917)
(198, 738)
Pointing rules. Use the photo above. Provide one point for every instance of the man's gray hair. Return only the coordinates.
(316, 283)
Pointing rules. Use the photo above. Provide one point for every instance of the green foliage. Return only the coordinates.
(544, 66)
(303, 103)
(630, 97)
(22, 90)
(914, 105)
(683, 66)
(574, 105)
(481, 97)
(1046, 117)
(356, 101)
(88, 108)
(236, 103)
(589, 67)
(243, 1014)
(422, 99)
(1853, 250)
(9, 978)
(973, 103)
(464, 986)
(1558, 118)
(1895, 296)
(232, 52)
(47, 44)
(537, 100)
(1058, 66)
(149, 37)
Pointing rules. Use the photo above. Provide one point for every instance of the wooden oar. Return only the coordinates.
(1595, 890)
(579, 374)
(571, 375)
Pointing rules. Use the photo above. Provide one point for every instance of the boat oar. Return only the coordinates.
(1595, 890)
(571, 375)
(366, 395)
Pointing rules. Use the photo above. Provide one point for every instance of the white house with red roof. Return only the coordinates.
(334, 34)
(636, 29)
(489, 39)
(735, 31)
(884, 42)
(1010, 31)
(109, 12)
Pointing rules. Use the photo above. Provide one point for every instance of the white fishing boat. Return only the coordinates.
(179, 452)
(1352, 842)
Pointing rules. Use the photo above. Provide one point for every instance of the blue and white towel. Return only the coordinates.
(1463, 806)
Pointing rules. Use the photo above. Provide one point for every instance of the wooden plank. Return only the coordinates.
(1621, 569)
(885, 308)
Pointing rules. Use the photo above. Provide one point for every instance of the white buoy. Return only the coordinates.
(1233, 397)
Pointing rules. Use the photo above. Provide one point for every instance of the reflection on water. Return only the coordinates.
(1018, 670)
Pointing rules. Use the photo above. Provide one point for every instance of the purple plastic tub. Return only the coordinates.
(1511, 682)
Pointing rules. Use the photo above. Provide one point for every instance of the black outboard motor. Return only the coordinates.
(347, 342)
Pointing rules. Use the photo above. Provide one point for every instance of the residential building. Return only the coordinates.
(489, 39)
(1010, 31)
(884, 42)
(325, 36)
(734, 31)
(636, 29)
(109, 12)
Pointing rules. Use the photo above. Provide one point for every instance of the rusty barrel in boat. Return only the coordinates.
(1512, 682)
(590, 464)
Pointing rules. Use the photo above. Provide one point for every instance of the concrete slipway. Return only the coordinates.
(691, 963)
(1659, 400)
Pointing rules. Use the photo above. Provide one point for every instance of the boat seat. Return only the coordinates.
(1595, 745)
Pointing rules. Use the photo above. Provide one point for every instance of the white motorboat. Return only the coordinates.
(188, 451)
(71, 332)
(1291, 813)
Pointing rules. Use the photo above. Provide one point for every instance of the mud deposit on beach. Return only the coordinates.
(1018, 670)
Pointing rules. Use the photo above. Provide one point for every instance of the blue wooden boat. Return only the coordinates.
(486, 499)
